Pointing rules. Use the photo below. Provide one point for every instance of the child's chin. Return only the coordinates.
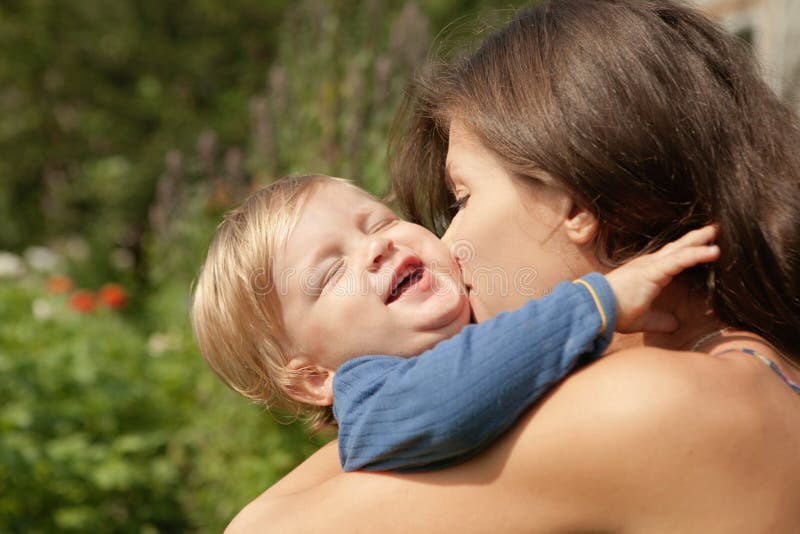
(449, 311)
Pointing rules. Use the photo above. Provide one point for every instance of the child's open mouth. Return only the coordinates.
(406, 283)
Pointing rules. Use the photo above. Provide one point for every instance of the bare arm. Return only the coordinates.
(318, 468)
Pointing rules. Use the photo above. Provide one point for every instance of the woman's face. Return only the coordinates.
(509, 234)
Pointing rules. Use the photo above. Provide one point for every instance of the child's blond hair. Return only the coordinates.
(236, 313)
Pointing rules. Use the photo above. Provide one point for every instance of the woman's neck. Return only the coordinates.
(693, 314)
(701, 331)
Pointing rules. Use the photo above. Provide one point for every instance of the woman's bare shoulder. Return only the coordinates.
(631, 429)
(641, 387)
(639, 414)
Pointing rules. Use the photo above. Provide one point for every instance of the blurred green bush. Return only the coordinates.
(103, 428)
(127, 128)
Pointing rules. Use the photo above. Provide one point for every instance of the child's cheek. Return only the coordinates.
(315, 343)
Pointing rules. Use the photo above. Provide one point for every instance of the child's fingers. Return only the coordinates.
(701, 236)
(688, 257)
(659, 321)
(654, 321)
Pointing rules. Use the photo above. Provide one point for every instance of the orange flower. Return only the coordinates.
(112, 296)
(59, 284)
(82, 301)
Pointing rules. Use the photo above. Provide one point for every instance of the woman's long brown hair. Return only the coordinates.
(648, 114)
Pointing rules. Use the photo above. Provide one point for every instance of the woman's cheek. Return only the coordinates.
(493, 295)
(480, 310)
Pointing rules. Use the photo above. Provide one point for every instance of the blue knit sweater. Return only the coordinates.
(452, 401)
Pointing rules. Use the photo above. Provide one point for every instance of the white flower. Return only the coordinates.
(76, 248)
(158, 344)
(42, 309)
(122, 259)
(11, 265)
(42, 259)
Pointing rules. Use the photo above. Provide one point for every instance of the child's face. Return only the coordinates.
(354, 279)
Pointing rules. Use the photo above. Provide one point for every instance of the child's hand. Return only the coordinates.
(637, 283)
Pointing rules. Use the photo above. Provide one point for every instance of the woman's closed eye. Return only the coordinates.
(460, 201)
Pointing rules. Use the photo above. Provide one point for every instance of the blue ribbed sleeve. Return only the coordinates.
(450, 402)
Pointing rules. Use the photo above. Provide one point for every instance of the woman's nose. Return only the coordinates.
(448, 236)
(461, 250)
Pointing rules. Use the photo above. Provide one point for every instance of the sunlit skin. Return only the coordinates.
(657, 438)
(486, 191)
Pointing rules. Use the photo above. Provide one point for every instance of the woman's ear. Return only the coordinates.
(309, 382)
(581, 225)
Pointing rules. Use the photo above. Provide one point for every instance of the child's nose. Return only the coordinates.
(378, 250)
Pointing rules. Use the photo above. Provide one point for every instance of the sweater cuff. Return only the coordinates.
(603, 296)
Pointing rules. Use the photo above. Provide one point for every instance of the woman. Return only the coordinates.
(583, 134)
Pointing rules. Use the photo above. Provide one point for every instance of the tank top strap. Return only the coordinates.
(769, 363)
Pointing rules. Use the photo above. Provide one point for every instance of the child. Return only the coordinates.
(311, 273)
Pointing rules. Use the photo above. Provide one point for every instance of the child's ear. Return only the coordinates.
(310, 383)
(581, 225)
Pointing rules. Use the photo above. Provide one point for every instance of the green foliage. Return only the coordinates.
(103, 429)
(126, 130)
(92, 449)
(96, 91)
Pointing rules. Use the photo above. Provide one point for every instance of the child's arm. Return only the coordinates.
(453, 400)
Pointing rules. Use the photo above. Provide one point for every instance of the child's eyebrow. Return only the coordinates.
(360, 218)
(321, 253)
(363, 215)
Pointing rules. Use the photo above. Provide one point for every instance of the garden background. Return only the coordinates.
(126, 129)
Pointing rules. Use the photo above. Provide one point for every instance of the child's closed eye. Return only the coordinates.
(382, 224)
(333, 273)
